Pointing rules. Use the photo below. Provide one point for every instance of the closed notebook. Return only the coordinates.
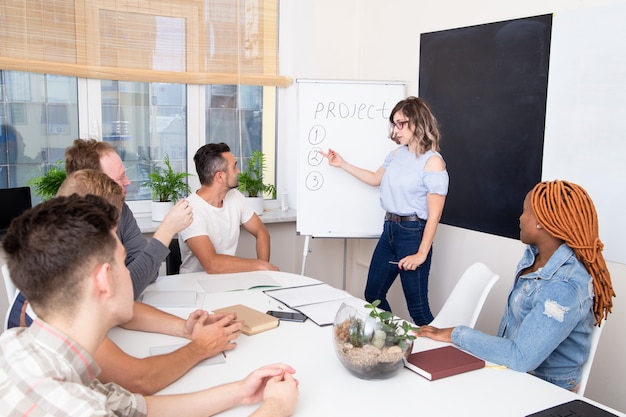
(442, 362)
(575, 408)
(254, 320)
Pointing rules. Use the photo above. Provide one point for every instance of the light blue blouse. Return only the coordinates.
(405, 184)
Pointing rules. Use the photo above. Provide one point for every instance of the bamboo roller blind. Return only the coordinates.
(175, 41)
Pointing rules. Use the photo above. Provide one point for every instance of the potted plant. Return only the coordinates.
(166, 186)
(251, 182)
(47, 185)
(374, 345)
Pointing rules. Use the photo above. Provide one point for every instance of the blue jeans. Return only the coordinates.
(400, 239)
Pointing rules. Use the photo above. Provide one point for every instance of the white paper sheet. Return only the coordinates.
(323, 314)
(237, 282)
(296, 297)
(170, 298)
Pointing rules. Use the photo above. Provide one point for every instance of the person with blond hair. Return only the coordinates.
(562, 288)
(90, 181)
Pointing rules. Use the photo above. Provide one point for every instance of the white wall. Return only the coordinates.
(374, 40)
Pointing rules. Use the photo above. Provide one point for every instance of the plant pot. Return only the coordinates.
(160, 209)
(257, 204)
(363, 348)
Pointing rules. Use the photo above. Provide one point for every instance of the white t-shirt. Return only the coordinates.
(221, 225)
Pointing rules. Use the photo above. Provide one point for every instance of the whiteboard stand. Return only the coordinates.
(305, 252)
(307, 249)
(345, 257)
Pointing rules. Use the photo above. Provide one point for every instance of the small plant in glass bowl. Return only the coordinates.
(374, 344)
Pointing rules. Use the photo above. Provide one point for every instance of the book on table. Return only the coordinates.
(255, 321)
(574, 408)
(442, 362)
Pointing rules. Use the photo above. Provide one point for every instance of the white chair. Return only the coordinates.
(595, 339)
(11, 290)
(8, 284)
(467, 297)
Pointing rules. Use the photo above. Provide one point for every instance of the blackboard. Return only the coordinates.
(353, 119)
(487, 86)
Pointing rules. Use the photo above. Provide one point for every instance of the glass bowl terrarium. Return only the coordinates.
(371, 345)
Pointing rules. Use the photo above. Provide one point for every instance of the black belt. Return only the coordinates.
(392, 217)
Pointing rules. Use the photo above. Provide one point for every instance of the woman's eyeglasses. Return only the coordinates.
(399, 124)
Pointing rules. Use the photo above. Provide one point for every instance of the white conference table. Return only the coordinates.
(326, 387)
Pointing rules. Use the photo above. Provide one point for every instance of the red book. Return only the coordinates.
(442, 362)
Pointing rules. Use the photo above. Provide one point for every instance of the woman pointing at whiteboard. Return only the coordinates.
(413, 187)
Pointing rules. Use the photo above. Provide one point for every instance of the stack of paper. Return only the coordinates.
(235, 282)
(319, 302)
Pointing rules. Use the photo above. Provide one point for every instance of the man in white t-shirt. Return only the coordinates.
(219, 209)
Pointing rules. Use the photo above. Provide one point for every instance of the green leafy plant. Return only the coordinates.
(47, 185)
(396, 329)
(166, 184)
(251, 180)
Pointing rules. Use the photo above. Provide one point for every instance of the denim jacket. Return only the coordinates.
(547, 323)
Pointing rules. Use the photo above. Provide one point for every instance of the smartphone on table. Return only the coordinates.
(288, 315)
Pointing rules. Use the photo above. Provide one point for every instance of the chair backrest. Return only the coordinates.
(173, 260)
(467, 297)
(11, 290)
(8, 284)
(586, 370)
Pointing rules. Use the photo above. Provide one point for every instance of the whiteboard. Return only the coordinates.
(352, 118)
(586, 110)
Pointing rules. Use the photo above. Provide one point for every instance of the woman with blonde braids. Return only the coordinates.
(562, 289)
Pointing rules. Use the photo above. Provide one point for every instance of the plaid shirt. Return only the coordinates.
(44, 373)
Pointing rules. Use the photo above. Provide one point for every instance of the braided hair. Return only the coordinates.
(566, 211)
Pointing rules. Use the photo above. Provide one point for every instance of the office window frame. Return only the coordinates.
(89, 105)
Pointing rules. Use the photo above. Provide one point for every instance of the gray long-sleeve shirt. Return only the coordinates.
(143, 257)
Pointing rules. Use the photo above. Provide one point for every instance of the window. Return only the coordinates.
(39, 119)
(234, 116)
(149, 76)
(143, 121)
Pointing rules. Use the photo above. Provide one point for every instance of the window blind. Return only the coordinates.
(173, 41)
